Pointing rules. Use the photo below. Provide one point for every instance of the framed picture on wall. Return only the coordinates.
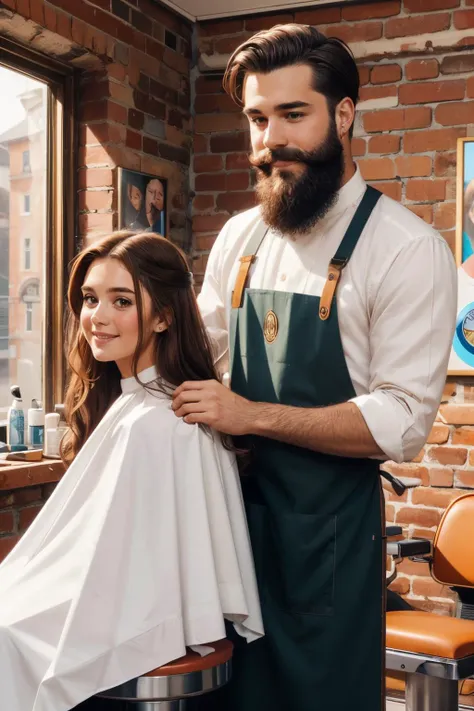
(461, 361)
(142, 202)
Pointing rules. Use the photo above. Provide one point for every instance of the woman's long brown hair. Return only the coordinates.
(182, 352)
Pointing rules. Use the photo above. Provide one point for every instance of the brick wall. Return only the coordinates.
(416, 61)
(133, 96)
(18, 508)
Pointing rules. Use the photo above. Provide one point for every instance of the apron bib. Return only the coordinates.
(316, 521)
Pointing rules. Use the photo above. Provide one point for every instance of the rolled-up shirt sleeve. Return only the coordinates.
(412, 320)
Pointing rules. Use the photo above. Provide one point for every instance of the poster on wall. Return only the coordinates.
(461, 361)
(142, 202)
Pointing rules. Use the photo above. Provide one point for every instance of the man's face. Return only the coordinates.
(154, 200)
(295, 148)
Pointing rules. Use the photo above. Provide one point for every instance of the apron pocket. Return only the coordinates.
(300, 562)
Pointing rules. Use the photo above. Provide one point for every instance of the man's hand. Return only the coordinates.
(208, 402)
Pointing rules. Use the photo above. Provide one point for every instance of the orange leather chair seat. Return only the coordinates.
(193, 662)
(430, 634)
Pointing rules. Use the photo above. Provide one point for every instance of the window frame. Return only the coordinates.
(28, 316)
(26, 253)
(61, 213)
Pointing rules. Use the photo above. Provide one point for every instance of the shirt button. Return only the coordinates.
(283, 277)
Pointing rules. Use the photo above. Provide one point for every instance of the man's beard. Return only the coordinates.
(293, 204)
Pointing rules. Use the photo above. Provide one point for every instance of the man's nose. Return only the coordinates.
(275, 135)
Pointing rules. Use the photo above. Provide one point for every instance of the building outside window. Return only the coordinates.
(27, 253)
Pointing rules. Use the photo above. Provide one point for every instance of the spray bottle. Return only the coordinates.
(16, 422)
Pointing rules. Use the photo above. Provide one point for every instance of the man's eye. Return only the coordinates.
(294, 115)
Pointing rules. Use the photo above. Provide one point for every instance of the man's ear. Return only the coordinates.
(345, 114)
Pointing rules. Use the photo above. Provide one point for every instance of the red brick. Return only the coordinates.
(461, 414)
(358, 147)
(392, 189)
(423, 24)
(200, 144)
(449, 455)
(208, 85)
(425, 212)
(422, 517)
(419, 457)
(397, 119)
(422, 69)
(37, 12)
(237, 161)
(99, 133)
(205, 242)
(411, 567)
(209, 223)
(432, 92)
(445, 219)
(434, 497)
(209, 181)
(134, 140)
(377, 168)
(441, 477)
(455, 114)
(439, 434)
(150, 146)
(429, 5)
(390, 513)
(207, 163)
(7, 544)
(95, 221)
(442, 139)
(208, 103)
(29, 495)
(465, 479)
(220, 27)
(388, 143)
(234, 202)
(364, 75)
(426, 190)
(208, 123)
(377, 92)
(237, 181)
(359, 32)
(95, 178)
(11, 4)
(413, 166)
(385, 73)
(227, 45)
(470, 87)
(463, 19)
(27, 516)
(203, 202)
(7, 522)
(23, 8)
(371, 11)
(92, 200)
(230, 142)
(457, 64)
(50, 18)
(435, 606)
(266, 22)
(319, 16)
(463, 435)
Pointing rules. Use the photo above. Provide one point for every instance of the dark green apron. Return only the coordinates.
(315, 520)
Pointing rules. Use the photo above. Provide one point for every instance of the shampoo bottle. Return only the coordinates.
(16, 422)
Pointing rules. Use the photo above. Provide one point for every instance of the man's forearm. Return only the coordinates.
(338, 429)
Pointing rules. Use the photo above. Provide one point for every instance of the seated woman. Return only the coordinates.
(143, 548)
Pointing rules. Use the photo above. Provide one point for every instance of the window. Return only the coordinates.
(36, 179)
(26, 162)
(27, 253)
(29, 317)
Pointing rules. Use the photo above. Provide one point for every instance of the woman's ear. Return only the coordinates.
(163, 322)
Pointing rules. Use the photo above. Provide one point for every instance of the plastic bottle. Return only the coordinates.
(51, 443)
(16, 422)
(36, 425)
(62, 427)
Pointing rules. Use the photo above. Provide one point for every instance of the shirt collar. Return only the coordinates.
(146, 376)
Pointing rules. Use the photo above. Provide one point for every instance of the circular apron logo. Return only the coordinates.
(463, 342)
(270, 326)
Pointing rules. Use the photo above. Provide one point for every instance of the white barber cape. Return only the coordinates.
(141, 551)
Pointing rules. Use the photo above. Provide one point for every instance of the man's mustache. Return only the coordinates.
(291, 155)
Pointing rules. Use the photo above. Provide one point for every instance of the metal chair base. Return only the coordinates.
(429, 693)
(178, 705)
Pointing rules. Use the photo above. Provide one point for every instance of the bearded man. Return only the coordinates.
(333, 309)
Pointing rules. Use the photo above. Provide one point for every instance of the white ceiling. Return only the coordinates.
(197, 10)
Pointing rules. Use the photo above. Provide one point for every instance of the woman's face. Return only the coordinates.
(154, 200)
(135, 196)
(109, 316)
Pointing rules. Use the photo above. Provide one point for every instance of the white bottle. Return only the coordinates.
(52, 440)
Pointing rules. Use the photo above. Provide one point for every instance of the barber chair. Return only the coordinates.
(436, 652)
(170, 687)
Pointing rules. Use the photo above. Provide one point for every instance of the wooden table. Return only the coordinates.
(15, 474)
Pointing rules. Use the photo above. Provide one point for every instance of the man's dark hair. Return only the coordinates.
(334, 68)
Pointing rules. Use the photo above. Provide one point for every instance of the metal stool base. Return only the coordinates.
(429, 693)
(178, 705)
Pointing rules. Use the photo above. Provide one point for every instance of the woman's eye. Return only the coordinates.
(259, 120)
(122, 303)
(89, 299)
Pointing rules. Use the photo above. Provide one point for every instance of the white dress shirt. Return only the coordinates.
(141, 551)
(396, 303)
